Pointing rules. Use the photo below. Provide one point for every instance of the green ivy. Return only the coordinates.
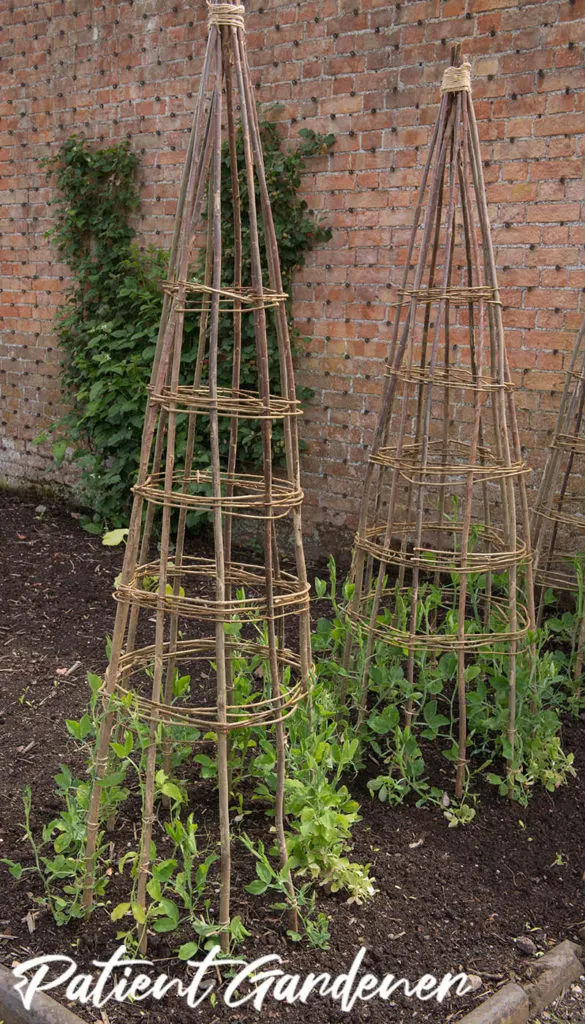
(108, 325)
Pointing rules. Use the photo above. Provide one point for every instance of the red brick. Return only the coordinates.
(559, 124)
(370, 209)
(542, 212)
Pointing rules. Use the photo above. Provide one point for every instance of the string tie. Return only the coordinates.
(226, 14)
(457, 79)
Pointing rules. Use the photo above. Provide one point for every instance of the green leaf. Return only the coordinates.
(120, 911)
(14, 868)
(59, 450)
(264, 873)
(114, 537)
(124, 749)
(187, 950)
(139, 913)
(164, 924)
(494, 780)
(208, 765)
(93, 528)
(172, 791)
(385, 722)
(94, 681)
(85, 726)
(257, 888)
(171, 909)
(165, 869)
(507, 749)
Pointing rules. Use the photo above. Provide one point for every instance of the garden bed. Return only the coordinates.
(448, 899)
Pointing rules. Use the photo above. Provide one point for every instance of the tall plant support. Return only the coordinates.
(445, 484)
(196, 601)
(558, 517)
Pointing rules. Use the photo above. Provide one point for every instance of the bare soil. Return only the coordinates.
(448, 899)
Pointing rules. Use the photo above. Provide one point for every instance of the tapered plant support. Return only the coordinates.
(558, 524)
(438, 558)
(190, 614)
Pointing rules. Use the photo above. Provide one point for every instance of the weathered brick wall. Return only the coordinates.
(367, 70)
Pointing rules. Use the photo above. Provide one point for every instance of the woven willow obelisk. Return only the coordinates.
(559, 515)
(195, 601)
(445, 480)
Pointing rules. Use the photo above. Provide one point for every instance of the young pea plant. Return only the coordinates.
(177, 884)
(61, 869)
(332, 637)
(401, 742)
(209, 933)
(268, 880)
(61, 872)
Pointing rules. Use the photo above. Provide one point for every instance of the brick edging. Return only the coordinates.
(44, 1010)
(517, 1004)
(513, 1004)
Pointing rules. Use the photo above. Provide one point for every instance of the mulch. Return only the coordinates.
(447, 900)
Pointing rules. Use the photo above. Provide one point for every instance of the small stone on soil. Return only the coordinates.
(474, 982)
(525, 945)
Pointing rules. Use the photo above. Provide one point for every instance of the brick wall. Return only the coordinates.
(367, 70)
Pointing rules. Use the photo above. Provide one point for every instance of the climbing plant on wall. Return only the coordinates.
(108, 324)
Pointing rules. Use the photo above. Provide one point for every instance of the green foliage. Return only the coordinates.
(315, 924)
(323, 813)
(57, 857)
(178, 882)
(320, 816)
(324, 751)
(545, 689)
(108, 326)
(320, 811)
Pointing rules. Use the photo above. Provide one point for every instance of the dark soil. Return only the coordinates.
(448, 899)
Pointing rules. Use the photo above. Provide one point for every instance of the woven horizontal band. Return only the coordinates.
(189, 594)
(226, 402)
(460, 295)
(242, 494)
(497, 636)
(234, 299)
(496, 556)
(264, 709)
